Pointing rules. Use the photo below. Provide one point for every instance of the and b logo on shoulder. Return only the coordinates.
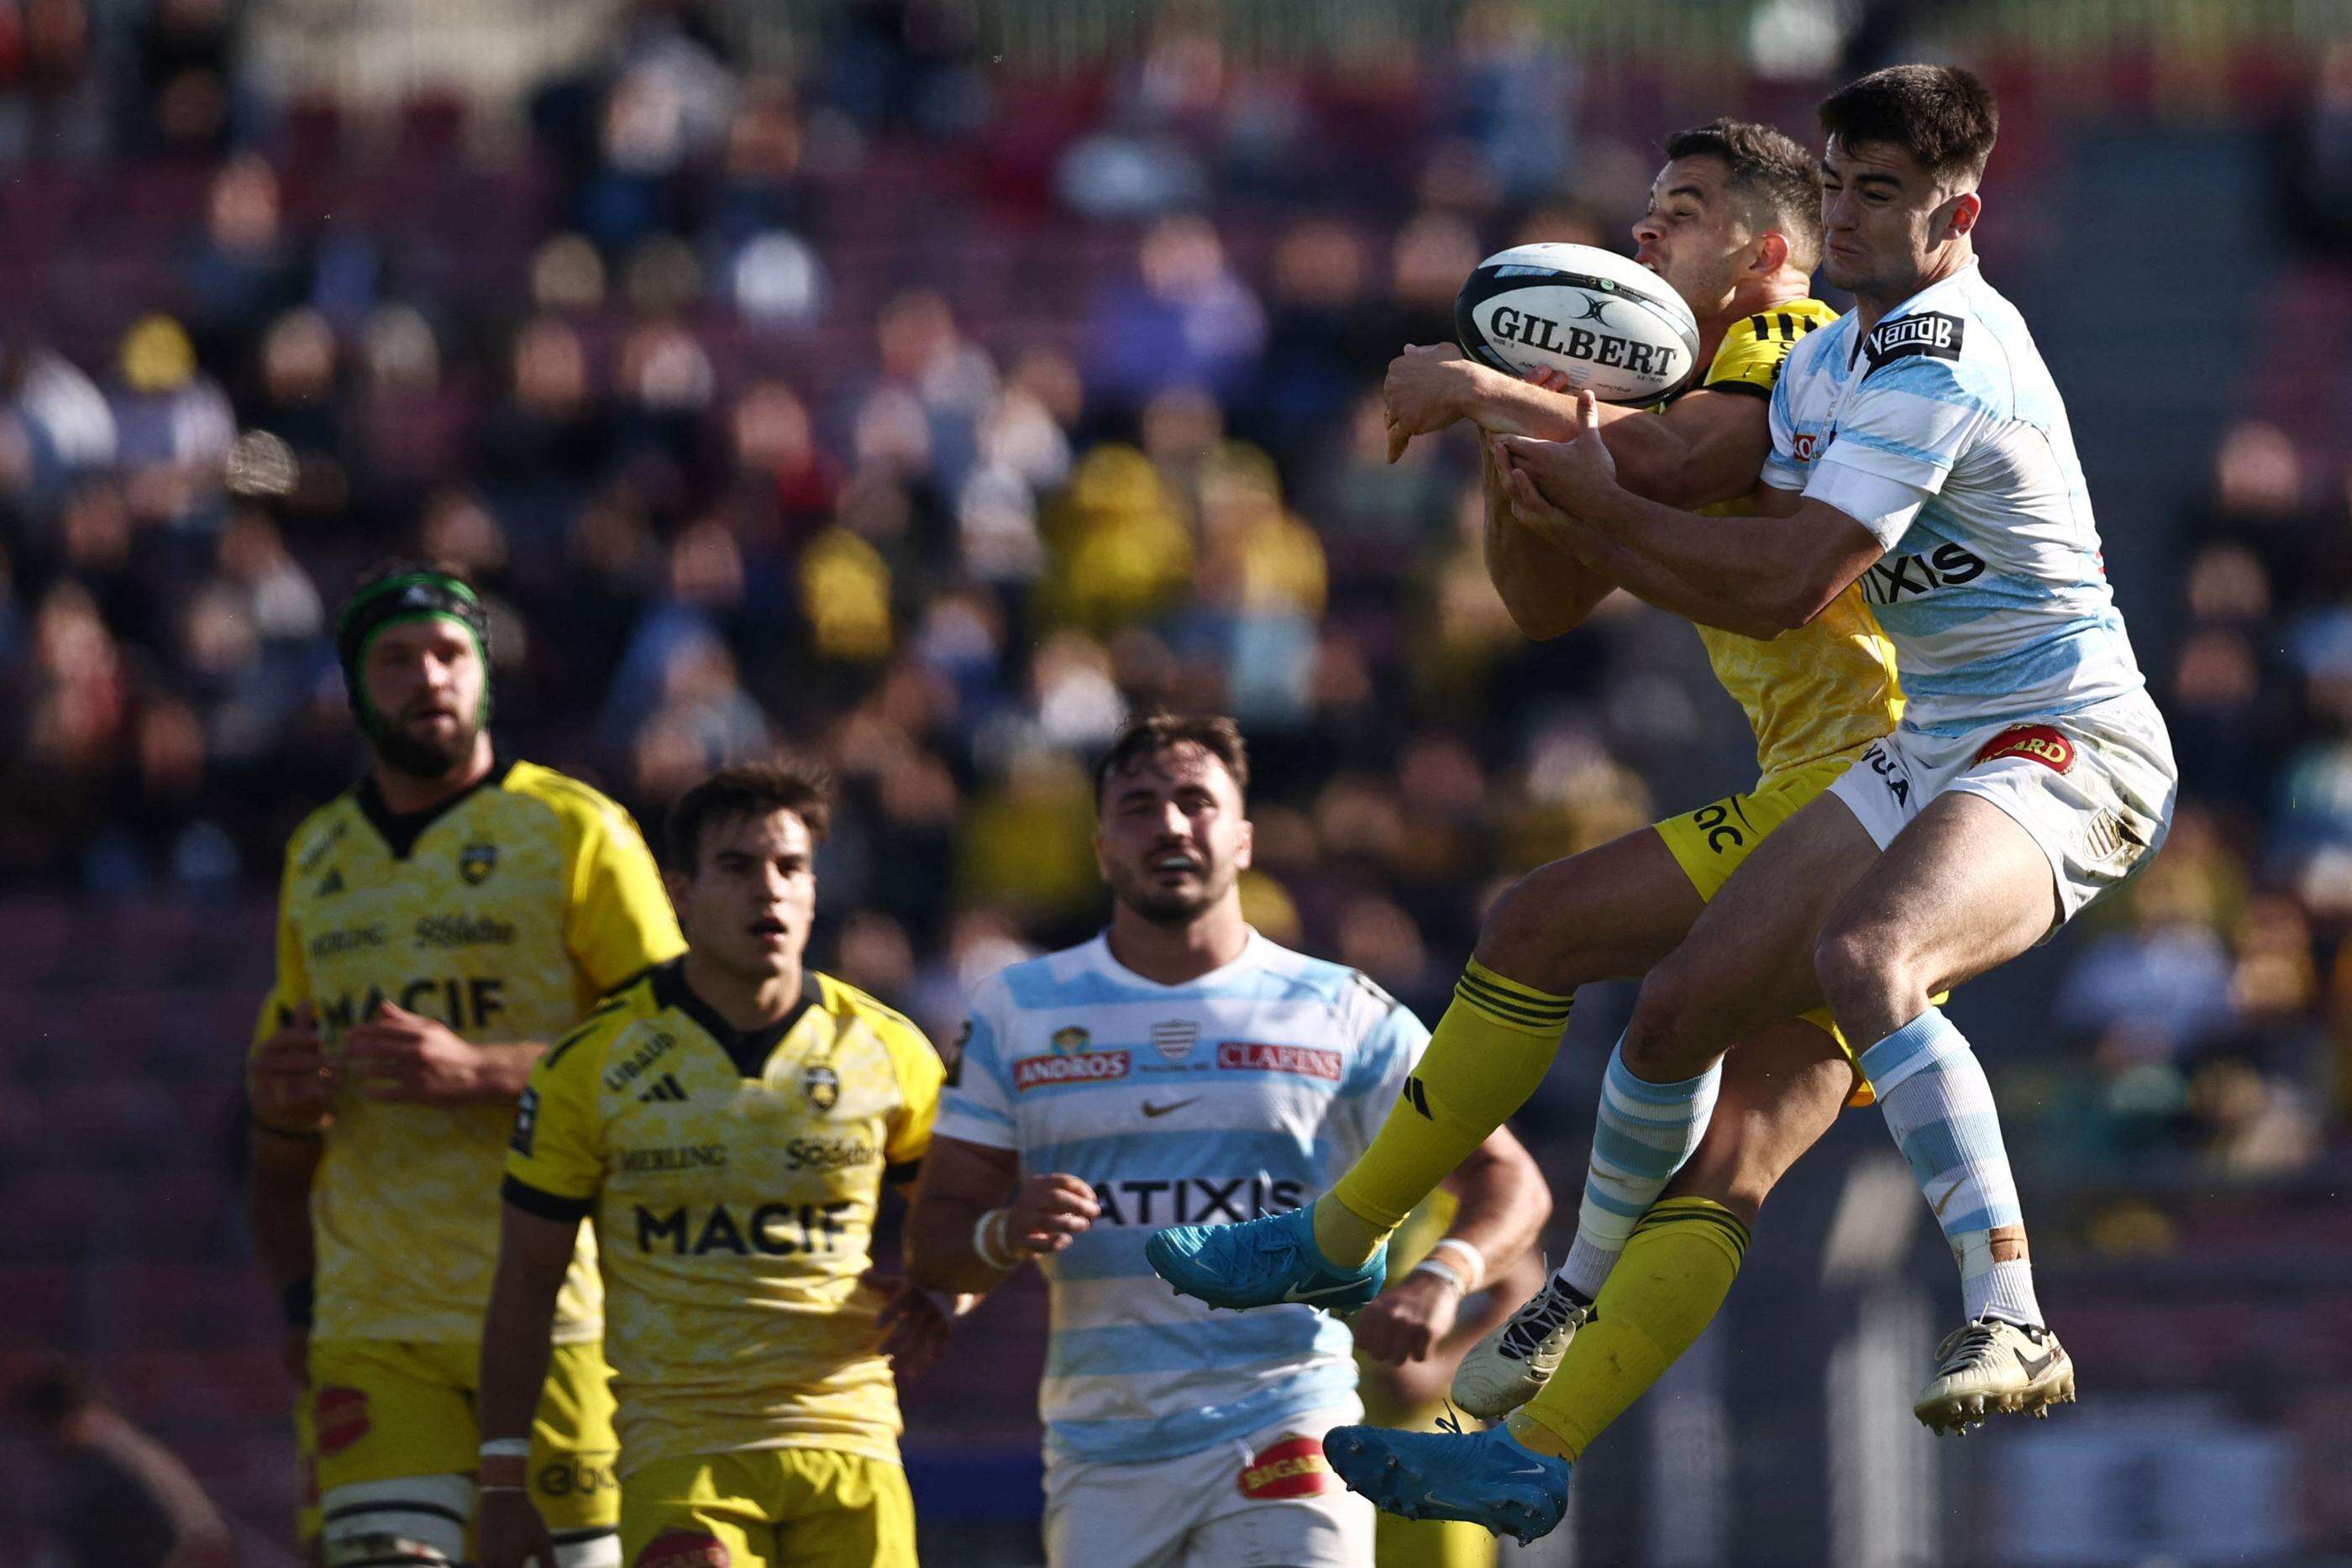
(1930, 332)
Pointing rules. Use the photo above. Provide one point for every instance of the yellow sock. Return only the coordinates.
(1492, 1048)
(1665, 1289)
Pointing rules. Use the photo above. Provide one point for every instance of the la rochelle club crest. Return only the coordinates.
(821, 1084)
(475, 862)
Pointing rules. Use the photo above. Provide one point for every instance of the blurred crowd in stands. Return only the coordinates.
(930, 420)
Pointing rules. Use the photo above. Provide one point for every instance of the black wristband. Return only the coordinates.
(295, 1299)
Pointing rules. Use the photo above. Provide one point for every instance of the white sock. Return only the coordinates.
(1940, 1106)
(1644, 1133)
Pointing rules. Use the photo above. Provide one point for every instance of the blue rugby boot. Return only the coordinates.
(1486, 1477)
(1260, 1263)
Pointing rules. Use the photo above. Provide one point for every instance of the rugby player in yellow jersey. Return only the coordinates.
(726, 1125)
(1734, 224)
(436, 924)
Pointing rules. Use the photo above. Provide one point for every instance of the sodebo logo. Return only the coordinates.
(1085, 1067)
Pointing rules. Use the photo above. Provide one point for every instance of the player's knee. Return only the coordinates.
(1857, 966)
(417, 1521)
(1524, 937)
(1663, 1042)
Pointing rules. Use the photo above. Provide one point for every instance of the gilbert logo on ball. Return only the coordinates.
(1592, 316)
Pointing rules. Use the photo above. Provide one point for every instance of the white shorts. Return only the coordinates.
(1268, 1501)
(2095, 789)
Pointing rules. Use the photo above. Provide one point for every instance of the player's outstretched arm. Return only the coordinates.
(534, 1254)
(1432, 385)
(1760, 576)
(1502, 1202)
(963, 1236)
(1546, 590)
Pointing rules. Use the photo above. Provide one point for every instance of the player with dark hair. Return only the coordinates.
(436, 926)
(1920, 448)
(1179, 1066)
(726, 1125)
(1734, 224)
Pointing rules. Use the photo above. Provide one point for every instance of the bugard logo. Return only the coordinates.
(339, 1417)
(1292, 1466)
(685, 1549)
(2038, 741)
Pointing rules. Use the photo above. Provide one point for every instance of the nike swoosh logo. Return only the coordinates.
(2035, 1366)
(1293, 1293)
(1151, 1110)
(1957, 1182)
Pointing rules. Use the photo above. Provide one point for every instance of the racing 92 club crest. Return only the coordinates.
(821, 1084)
(476, 861)
(1175, 1038)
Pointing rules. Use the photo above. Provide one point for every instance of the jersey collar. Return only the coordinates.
(401, 830)
(748, 1049)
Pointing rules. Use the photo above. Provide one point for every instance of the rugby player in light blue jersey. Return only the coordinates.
(1182, 1069)
(1920, 447)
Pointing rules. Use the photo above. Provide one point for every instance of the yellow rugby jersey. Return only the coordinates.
(1824, 687)
(733, 1179)
(504, 914)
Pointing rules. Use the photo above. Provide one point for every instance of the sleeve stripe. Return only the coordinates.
(545, 1205)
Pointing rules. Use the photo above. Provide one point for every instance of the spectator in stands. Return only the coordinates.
(118, 1499)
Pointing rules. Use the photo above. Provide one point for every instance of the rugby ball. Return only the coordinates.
(1598, 317)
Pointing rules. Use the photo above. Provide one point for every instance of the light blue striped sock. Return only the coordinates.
(1941, 1109)
(1645, 1133)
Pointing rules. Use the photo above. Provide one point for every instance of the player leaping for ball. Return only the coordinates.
(1919, 446)
(1734, 224)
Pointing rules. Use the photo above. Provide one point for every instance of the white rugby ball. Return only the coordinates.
(1598, 317)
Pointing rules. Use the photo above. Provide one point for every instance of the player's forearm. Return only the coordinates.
(1751, 568)
(1547, 590)
(1653, 584)
(940, 1250)
(1505, 405)
(1501, 1204)
(1654, 458)
(515, 1341)
(278, 1204)
(504, 1068)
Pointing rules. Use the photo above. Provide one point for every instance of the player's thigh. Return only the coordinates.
(1962, 889)
(1781, 1090)
(381, 1410)
(1747, 964)
(393, 1428)
(572, 1447)
(1332, 1529)
(1605, 915)
(845, 1510)
(1102, 1515)
(695, 1510)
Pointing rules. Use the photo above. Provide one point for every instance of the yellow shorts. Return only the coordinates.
(1713, 842)
(762, 1507)
(383, 1410)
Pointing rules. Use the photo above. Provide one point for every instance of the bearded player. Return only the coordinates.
(1180, 1066)
(1734, 224)
(436, 926)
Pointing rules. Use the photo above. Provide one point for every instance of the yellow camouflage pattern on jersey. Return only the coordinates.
(1827, 686)
(733, 1181)
(504, 914)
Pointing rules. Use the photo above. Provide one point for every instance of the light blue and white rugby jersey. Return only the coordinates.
(1242, 1092)
(1941, 432)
